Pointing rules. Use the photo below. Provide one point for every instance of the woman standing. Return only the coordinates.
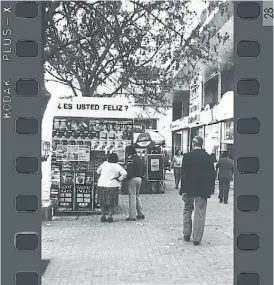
(176, 164)
(111, 174)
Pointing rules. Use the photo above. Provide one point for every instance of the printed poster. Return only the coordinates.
(155, 165)
(73, 153)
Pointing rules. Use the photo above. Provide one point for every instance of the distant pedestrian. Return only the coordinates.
(135, 172)
(197, 184)
(176, 164)
(225, 167)
(111, 174)
(166, 162)
(214, 158)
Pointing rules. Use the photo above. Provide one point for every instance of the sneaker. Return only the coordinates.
(196, 243)
(140, 217)
(186, 238)
(103, 219)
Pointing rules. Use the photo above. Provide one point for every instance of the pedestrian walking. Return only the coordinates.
(214, 158)
(166, 162)
(135, 172)
(176, 164)
(197, 184)
(111, 174)
(225, 167)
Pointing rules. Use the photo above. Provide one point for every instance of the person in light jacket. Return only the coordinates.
(111, 174)
(225, 167)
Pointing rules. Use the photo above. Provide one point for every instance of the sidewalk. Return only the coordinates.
(85, 251)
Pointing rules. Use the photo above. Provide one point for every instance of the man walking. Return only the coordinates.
(225, 174)
(135, 171)
(197, 185)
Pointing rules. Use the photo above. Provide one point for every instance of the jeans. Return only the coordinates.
(135, 204)
(198, 219)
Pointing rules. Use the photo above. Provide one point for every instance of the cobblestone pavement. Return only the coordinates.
(85, 251)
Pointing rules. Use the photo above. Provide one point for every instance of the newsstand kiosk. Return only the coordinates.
(85, 131)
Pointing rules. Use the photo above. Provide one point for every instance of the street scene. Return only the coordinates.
(138, 143)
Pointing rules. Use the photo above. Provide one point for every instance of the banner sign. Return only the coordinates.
(95, 107)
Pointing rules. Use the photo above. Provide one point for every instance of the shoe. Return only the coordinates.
(221, 201)
(196, 243)
(110, 219)
(225, 202)
(129, 219)
(140, 217)
(103, 219)
(186, 238)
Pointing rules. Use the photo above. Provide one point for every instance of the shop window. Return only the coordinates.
(229, 130)
(211, 91)
(151, 124)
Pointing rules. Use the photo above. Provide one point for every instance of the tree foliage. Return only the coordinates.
(103, 48)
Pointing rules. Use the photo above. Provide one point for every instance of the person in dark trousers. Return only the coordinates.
(225, 167)
(213, 155)
(197, 185)
(135, 172)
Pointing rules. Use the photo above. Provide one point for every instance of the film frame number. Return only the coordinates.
(268, 13)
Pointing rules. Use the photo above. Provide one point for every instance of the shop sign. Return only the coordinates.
(195, 99)
(174, 125)
(179, 124)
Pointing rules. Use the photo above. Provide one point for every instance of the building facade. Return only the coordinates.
(206, 107)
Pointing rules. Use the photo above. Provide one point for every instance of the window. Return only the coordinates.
(151, 124)
(145, 124)
(227, 83)
(211, 91)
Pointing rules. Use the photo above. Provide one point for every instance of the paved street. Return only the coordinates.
(85, 251)
(46, 178)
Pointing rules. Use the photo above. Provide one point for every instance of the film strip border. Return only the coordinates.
(22, 74)
(253, 112)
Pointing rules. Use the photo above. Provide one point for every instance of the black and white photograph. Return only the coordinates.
(138, 143)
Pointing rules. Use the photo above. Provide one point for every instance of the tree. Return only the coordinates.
(102, 48)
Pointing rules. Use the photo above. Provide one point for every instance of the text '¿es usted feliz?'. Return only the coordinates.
(93, 107)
